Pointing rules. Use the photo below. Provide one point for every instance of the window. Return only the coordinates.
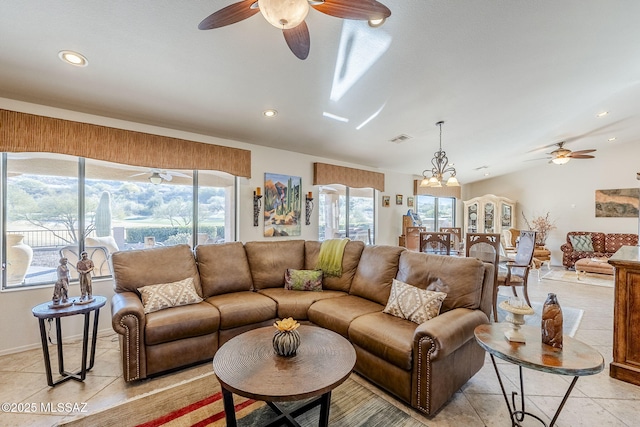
(346, 212)
(436, 212)
(58, 205)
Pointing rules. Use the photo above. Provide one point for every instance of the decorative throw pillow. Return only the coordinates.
(581, 242)
(166, 295)
(303, 280)
(412, 303)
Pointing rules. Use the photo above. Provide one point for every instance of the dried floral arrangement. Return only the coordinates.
(542, 225)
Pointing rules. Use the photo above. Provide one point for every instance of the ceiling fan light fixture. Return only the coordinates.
(284, 14)
(561, 160)
(377, 22)
(155, 178)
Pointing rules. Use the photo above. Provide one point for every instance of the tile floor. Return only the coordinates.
(596, 400)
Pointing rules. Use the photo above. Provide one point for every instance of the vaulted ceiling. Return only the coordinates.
(509, 78)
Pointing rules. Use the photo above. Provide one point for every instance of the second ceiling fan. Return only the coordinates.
(289, 16)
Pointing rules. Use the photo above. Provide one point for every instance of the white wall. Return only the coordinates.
(15, 305)
(567, 192)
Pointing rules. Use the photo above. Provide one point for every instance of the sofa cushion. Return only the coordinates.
(269, 260)
(137, 268)
(582, 243)
(376, 270)
(223, 268)
(337, 314)
(181, 322)
(350, 259)
(296, 303)
(388, 337)
(167, 295)
(243, 308)
(460, 278)
(303, 280)
(411, 303)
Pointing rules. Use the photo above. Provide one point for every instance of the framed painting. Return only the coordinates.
(410, 201)
(386, 201)
(617, 203)
(282, 205)
(398, 199)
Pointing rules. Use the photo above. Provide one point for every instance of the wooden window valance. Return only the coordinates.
(326, 174)
(443, 191)
(21, 132)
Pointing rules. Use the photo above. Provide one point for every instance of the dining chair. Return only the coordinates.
(486, 248)
(434, 242)
(456, 238)
(516, 272)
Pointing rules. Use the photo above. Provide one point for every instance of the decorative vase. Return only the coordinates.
(19, 257)
(552, 322)
(286, 343)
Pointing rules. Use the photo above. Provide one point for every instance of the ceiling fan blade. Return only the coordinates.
(581, 156)
(298, 40)
(165, 176)
(353, 9)
(229, 15)
(581, 152)
(139, 174)
(180, 174)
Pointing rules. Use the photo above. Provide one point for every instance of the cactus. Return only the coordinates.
(103, 215)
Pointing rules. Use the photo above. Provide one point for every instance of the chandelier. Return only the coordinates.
(440, 167)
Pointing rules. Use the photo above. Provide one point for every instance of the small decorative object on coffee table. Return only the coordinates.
(517, 309)
(286, 340)
(552, 322)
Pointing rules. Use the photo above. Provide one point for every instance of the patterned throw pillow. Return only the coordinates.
(581, 242)
(166, 295)
(412, 303)
(303, 280)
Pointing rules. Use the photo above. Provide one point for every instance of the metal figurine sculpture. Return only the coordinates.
(61, 289)
(85, 267)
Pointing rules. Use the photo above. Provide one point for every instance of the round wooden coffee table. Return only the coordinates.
(575, 359)
(248, 366)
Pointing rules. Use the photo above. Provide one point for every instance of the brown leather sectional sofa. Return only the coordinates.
(243, 288)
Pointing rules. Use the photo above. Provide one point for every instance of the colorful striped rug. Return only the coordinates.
(198, 402)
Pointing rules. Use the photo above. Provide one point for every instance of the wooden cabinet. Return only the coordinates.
(626, 316)
(489, 214)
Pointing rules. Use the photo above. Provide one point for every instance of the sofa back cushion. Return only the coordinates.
(144, 267)
(350, 259)
(224, 268)
(376, 270)
(614, 241)
(597, 239)
(269, 261)
(459, 277)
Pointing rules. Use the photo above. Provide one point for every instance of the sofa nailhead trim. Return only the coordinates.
(128, 341)
(432, 348)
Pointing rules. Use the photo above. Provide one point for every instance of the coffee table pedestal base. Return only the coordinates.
(284, 416)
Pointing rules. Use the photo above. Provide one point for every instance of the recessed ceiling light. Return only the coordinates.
(602, 114)
(269, 113)
(611, 139)
(73, 58)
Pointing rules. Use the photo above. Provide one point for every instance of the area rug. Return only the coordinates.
(571, 317)
(594, 279)
(352, 405)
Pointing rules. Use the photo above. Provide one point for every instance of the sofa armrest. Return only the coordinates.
(447, 332)
(566, 247)
(128, 319)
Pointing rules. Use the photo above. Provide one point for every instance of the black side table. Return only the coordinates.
(42, 312)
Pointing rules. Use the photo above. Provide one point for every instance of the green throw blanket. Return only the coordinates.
(330, 258)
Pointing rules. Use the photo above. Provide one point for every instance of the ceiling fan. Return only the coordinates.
(289, 16)
(157, 176)
(561, 155)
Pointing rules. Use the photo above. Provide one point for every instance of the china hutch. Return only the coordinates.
(489, 214)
